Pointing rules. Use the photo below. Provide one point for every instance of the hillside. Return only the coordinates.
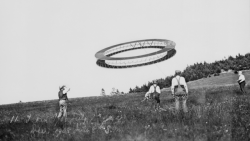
(215, 113)
(224, 79)
(202, 70)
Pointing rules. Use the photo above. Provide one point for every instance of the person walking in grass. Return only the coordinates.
(154, 93)
(63, 99)
(241, 82)
(179, 91)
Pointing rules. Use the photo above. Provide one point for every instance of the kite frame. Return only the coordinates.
(168, 46)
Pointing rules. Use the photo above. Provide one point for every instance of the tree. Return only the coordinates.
(230, 58)
(203, 70)
(144, 88)
(130, 90)
(218, 71)
(137, 89)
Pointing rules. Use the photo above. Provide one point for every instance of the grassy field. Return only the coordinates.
(215, 113)
(224, 79)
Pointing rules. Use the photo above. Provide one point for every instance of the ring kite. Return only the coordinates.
(105, 59)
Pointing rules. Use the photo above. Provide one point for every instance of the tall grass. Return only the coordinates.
(219, 113)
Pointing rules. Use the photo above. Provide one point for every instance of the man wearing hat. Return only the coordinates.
(154, 93)
(63, 98)
(179, 91)
(241, 82)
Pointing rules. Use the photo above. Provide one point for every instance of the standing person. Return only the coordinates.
(154, 93)
(241, 82)
(63, 99)
(179, 91)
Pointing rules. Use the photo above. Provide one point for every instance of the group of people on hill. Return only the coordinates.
(179, 90)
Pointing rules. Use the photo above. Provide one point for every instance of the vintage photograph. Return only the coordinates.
(125, 70)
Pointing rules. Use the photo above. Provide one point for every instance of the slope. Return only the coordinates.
(224, 79)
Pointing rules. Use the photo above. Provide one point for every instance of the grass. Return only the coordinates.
(224, 79)
(215, 113)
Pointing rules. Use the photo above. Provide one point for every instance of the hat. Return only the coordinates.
(177, 72)
(61, 87)
(239, 72)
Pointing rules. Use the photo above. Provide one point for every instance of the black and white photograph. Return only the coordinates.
(128, 70)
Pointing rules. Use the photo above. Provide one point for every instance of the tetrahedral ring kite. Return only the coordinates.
(166, 51)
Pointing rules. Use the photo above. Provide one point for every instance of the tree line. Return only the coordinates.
(203, 70)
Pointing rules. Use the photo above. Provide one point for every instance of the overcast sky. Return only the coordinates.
(48, 43)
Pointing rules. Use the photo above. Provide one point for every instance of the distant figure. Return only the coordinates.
(63, 99)
(103, 92)
(241, 82)
(154, 93)
(179, 91)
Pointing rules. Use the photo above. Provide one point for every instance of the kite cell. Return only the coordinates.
(166, 51)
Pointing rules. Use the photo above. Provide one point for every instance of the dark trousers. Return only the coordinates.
(242, 87)
(155, 96)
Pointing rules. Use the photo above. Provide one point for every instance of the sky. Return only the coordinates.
(48, 43)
